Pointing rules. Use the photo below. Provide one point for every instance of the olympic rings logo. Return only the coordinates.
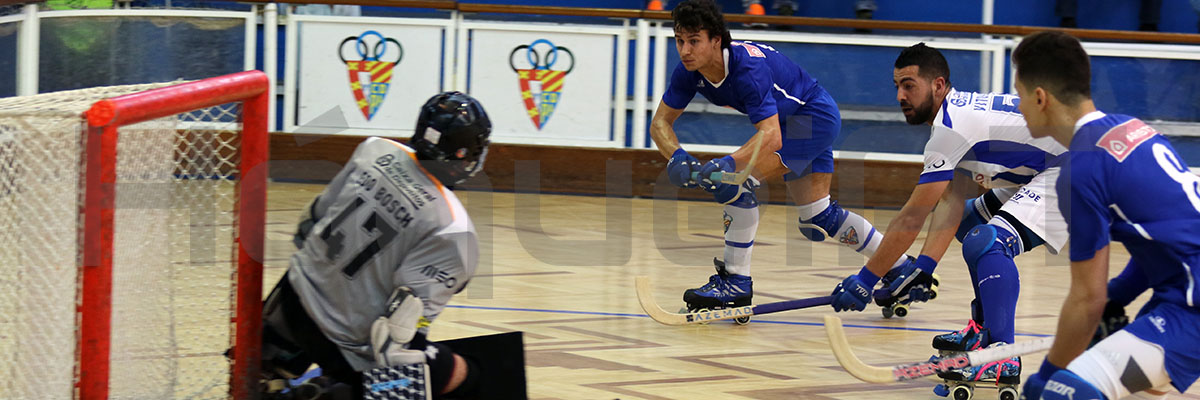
(535, 59)
(371, 52)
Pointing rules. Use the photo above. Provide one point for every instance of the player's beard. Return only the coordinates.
(921, 114)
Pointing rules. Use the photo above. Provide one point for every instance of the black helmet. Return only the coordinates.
(452, 136)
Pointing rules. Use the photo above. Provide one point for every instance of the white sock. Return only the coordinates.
(810, 210)
(741, 224)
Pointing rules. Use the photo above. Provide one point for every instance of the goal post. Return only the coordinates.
(132, 239)
(104, 120)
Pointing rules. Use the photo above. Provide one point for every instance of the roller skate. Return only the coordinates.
(723, 290)
(1004, 375)
(895, 301)
(967, 339)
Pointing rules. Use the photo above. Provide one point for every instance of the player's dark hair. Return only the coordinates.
(697, 15)
(929, 61)
(1054, 61)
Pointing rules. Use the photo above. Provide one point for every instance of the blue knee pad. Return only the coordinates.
(824, 224)
(746, 200)
(984, 238)
(1065, 385)
(970, 219)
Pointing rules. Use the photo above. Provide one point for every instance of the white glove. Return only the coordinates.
(390, 334)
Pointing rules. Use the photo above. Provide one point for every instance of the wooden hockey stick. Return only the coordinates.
(902, 372)
(645, 296)
(739, 177)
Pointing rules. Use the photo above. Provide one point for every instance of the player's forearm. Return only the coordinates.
(664, 137)
(1083, 308)
(900, 235)
(1076, 323)
(942, 227)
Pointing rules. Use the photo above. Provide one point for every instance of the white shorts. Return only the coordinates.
(1035, 205)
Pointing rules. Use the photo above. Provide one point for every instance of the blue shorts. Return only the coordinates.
(808, 136)
(1176, 329)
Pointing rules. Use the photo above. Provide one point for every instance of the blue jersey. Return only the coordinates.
(759, 82)
(1123, 181)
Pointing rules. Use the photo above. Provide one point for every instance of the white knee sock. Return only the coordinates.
(741, 224)
(810, 210)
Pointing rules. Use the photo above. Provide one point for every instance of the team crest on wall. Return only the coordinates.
(544, 65)
(370, 68)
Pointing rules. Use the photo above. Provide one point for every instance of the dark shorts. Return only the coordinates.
(808, 137)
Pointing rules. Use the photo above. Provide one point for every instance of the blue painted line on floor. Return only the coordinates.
(757, 321)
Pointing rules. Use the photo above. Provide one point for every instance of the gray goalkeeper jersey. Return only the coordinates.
(382, 223)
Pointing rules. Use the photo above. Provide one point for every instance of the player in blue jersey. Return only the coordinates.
(1121, 181)
(796, 119)
(982, 137)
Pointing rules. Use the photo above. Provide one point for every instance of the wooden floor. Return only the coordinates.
(552, 267)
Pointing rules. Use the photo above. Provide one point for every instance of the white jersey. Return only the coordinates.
(984, 134)
(382, 222)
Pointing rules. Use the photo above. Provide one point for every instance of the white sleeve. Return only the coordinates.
(438, 267)
(942, 153)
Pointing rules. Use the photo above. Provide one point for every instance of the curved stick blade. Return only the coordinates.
(850, 362)
(645, 297)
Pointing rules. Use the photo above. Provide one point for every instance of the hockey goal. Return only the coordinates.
(131, 240)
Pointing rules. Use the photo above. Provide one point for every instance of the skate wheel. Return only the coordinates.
(887, 312)
(900, 310)
(962, 392)
(941, 390)
(1008, 393)
(742, 320)
(933, 292)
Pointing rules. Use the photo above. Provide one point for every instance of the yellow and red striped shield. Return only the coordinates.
(369, 83)
(551, 83)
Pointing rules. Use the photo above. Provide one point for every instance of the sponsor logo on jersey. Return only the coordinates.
(752, 50)
(1123, 139)
(371, 73)
(541, 66)
(936, 164)
(960, 99)
(439, 275)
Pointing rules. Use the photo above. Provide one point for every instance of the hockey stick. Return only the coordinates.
(646, 298)
(902, 372)
(739, 177)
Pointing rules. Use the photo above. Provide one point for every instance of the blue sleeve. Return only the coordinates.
(680, 90)
(1083, 199)
(754, 85)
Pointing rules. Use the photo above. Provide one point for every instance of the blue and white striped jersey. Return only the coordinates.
(984, 134)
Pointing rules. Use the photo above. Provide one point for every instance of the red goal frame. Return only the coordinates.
(94, 310)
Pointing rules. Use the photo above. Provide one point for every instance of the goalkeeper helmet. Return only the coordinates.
(452, 137)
